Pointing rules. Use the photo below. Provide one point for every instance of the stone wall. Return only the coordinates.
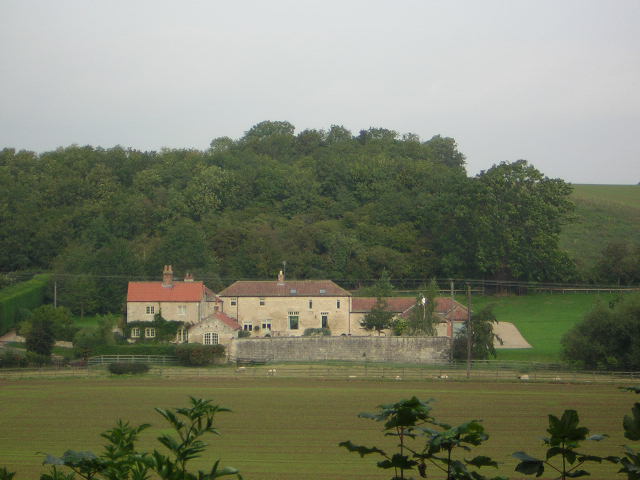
(357, 349)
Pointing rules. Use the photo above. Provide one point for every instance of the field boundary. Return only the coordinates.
(497, 372)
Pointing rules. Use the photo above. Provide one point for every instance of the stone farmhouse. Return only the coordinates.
(280, 308)
(186, 301)
(288, 308)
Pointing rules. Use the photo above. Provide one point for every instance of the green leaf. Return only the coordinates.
(482, 461)
(361, 450)
(528, 465)
(398, 461)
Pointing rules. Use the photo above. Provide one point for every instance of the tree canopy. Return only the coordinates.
(332, 204)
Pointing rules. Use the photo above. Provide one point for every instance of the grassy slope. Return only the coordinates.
(604, 213)
(288, 429)
(542, 320)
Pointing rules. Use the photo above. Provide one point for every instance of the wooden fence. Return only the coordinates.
(148, 359)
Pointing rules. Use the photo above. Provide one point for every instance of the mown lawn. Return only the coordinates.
(288, 429)
(542, 319)
(92, 320)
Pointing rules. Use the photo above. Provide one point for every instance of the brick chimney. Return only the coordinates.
(188, 277)
(167, 276)
(280, 278)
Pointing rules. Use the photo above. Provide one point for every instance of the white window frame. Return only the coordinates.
(262, 301)
(266, 324)
(210, 338)
(150, 310)
(149, 332)
(247, 327)
(338, 303)
(182, 310)
(135, 332)
(324, 315)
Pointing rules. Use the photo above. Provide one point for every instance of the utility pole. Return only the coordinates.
(469, 331)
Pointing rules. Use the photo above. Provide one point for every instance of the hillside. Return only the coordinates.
(604, 213)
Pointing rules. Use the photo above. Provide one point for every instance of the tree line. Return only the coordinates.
(330, 203)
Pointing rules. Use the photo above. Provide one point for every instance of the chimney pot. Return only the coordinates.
(167, 276)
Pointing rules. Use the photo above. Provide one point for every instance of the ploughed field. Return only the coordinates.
(284, 428)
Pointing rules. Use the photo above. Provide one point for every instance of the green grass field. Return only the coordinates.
(542, 319)
(289, 428)
(604, 213)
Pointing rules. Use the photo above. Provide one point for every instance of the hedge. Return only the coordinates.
(197, 355)
(128, 368)
(24, 295)
(135, 349)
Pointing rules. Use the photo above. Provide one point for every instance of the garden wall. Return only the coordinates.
(372, 349)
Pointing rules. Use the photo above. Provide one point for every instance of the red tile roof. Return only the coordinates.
(448, 307)
(156, 292)
(223, 317)
(290, 288)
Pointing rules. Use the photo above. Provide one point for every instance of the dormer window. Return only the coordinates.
(294, 291)
(322, 291)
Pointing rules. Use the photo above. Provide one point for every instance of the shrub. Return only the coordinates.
(36, 360)
(128, 368)
(606, 338)
(244, 334)
(197, 355)
(12, 359)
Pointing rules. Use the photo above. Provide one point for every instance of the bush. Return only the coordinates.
(244, 334)
(36, 360)
(317, 332)
(197, 355)
(128, 368)
(12, 359)
(607, 337)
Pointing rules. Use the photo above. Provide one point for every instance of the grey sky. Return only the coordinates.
(554, 82)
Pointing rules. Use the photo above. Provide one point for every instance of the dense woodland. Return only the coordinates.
(330, 203)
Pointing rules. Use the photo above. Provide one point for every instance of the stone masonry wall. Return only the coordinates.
(373, 349)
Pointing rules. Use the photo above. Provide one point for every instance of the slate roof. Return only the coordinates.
(290, 288)
(156, 292)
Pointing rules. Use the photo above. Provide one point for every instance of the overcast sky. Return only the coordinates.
(554, 82)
